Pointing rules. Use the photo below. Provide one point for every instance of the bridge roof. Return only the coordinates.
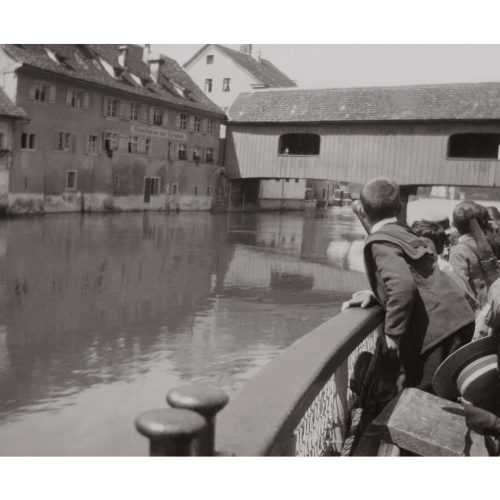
(457, 101)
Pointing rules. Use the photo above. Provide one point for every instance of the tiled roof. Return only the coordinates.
(460, 101)
(83, 62)
(8, 108)
(263, 70)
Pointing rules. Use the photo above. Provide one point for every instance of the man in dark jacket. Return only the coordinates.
(427, 315)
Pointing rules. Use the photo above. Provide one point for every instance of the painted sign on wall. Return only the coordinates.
(158, 132)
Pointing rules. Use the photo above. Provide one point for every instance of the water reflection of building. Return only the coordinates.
(84, 300)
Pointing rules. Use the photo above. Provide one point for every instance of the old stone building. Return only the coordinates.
(9, 115)
(110, 127)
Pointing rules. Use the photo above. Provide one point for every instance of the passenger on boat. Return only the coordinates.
(427, 315)
(464, 256)
(435, 235)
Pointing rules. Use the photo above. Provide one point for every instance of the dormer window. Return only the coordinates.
(51, 55)
(136, 79)
(110, 70)
(180, 90)
(210, 59)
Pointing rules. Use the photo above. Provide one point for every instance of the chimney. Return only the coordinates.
(145, 53)
(122, 55)
(246, 49)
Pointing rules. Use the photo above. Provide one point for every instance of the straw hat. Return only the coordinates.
(470, 372)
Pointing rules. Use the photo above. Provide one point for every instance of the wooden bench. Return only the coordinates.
(422, 424)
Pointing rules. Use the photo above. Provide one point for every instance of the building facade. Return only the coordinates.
(10, 114)
(110, 128)
(223, 73)
(430, 135)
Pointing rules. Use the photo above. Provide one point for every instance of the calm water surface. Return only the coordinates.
(101, 314)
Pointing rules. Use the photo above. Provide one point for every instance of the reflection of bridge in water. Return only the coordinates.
(256, 269)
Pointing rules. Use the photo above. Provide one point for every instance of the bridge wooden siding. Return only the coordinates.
(412, 153)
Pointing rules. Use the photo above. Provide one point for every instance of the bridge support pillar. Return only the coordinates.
(405, 192)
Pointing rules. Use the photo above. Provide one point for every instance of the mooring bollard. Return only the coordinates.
(205, 400)
(171, 431)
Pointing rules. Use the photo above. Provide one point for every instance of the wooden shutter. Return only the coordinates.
(143, 113)
(191, 123)
(73, 143)
(122, 109)
(151, 114)
(204, 125)
(178, 121)
(86, 100)
(141, 145)
(104, 106)
(165, 118)
(52, 94)
(123, 143)
(87, 145)
(31, 92)
(68, 97)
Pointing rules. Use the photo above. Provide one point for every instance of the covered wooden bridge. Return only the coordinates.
(426, 135)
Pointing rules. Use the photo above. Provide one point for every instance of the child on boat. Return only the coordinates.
(427, 315)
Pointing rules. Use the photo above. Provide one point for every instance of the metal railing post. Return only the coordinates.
(205, 400)
(171, 431)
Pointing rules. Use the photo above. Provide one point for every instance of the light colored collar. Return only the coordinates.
(382, 223)
(465, 237)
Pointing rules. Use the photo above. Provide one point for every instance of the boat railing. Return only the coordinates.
(300, 404)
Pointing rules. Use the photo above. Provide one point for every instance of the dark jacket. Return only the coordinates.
(423, 305)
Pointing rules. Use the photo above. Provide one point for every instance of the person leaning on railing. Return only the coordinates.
(427, 316)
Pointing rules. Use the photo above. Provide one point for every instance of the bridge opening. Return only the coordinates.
(299, 144)
(480, 146)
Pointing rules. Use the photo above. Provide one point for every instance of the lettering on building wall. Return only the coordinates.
(157, 132)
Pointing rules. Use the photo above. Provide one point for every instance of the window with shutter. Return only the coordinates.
(133, 143)
(210, 127)
(92, 145)
(110, 140)
(110, 107)
(183, 122)
(209, 155)
(86, 100)
(197, 124)
(134, 111)
(157, 116)
(38, 91)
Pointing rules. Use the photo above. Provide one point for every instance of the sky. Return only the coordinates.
(316, 66)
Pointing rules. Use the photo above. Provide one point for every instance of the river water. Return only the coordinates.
(100, 315)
